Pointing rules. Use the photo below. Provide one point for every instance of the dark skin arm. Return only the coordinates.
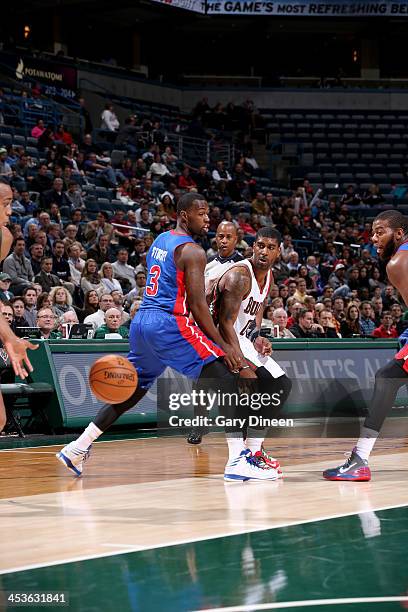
(234, 285)
(191, 259)
(397, 271)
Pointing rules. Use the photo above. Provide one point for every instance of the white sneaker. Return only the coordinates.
(248, 467)
(73, 457)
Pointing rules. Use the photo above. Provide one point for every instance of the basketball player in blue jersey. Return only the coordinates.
(16, 348)
(390, 237)
(162, 333)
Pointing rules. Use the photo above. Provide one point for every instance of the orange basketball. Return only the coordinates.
(113, 379)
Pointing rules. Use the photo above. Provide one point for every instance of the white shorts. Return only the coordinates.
(259, 360)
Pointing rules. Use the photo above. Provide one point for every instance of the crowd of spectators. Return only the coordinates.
(67, 261)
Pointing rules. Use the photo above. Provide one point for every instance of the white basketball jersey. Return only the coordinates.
(246, 320)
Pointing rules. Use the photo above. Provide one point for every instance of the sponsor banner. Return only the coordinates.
(306, 8)
(57, 80)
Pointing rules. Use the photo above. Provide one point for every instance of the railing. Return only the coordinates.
(197, 150)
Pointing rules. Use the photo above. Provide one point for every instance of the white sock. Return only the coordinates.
(255, 438)
(91, 433)
(235, 445)
(366, 441)
(254, 444)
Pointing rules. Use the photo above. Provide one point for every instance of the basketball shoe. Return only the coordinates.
(355, 469)
(195, 436)
(248, 467)
(73, 458)
(270, 461)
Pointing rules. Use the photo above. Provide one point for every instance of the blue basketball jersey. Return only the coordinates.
(165, 288)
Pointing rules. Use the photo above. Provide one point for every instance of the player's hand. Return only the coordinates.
(233, 358)
(17, 351)
(263, 345)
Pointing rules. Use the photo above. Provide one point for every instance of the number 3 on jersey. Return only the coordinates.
(152, 287)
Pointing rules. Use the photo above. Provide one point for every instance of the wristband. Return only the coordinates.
(244, 368)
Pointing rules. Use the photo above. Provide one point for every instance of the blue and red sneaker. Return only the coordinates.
(355, 469)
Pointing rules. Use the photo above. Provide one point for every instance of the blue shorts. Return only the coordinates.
(159, 339)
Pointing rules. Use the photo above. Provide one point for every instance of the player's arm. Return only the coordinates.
(262, 345)
(397, 272)
(233, 287)
(192, 261)
(16, 349)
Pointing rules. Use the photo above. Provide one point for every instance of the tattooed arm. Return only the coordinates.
(233, 287)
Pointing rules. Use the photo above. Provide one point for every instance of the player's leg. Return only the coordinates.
(197, 357)
(148, 366)
(278, 390)
(388, 380)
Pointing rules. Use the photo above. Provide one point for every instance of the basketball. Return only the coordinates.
(113, 379)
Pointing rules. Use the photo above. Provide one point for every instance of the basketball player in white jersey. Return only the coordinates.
(16, 347)
(226, 238)
(237, 304)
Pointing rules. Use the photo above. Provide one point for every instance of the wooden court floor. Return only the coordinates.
(151, 495)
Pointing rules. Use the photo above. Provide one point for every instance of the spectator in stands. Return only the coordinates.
(185, 181)
(350, 326)
(73, 195)
(93, 167)
(122, 270)
(110, 122)
(38, 129)
(387, 328)
(389, 297)
(373, 197)
(46, 321)
(350, 197)
(18, 309)
(88, 146)
(61, 135)
(60, 266)
(367, 324)
(41, 238)
(293, 308)
(61, 300)
(109, 283)
(280, 319)
(220, 173)
(326, 321)
(337, 278)
(399, 321)
(90, 279)
(293, 264)
(18, 267)
(44, 300)
(65, 321)
(46, 140)
(287, 248)
(91, 305)
(36, 256)
(5, 294)
(42, 181)
(377, 305)
(100, 226)
(98, 318)
(30, 306)
(139, 290)
(112, 325)
(305, 326)
(5, 168)
(55, 195)
(76, 263)
(301, 292)
(101, 252)
(7, 311)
